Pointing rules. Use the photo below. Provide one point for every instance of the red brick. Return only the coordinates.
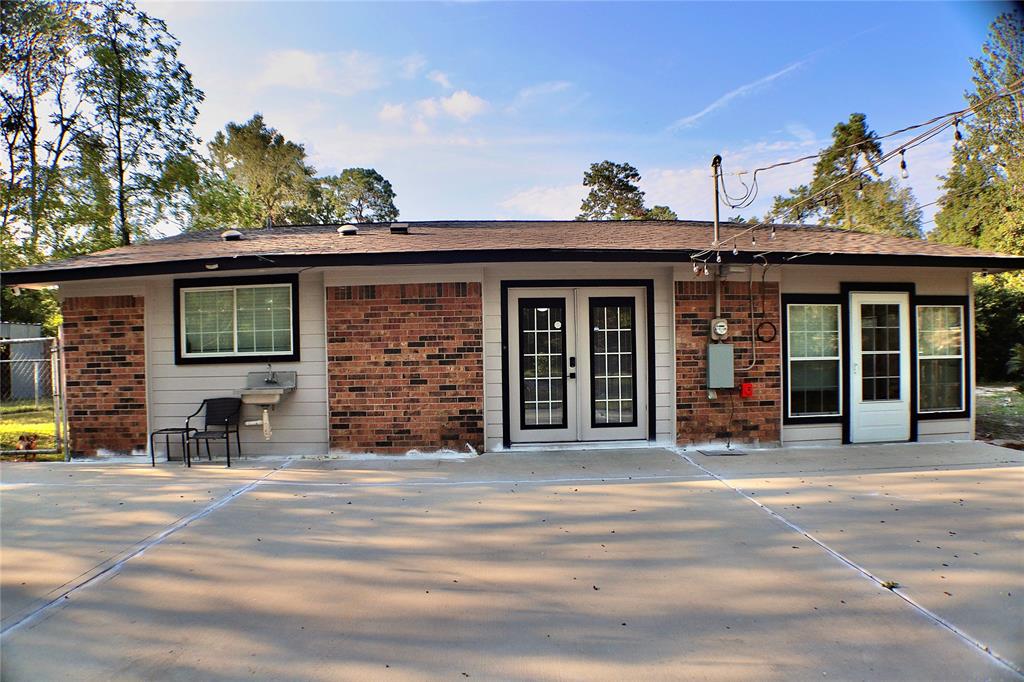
(743, 420)
(105, 374)
(405, 366)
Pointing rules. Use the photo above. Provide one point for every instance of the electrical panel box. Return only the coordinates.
(720, 366)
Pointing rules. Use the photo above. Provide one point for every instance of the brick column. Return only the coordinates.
(745, 420)
(105, 364)
(405, 366)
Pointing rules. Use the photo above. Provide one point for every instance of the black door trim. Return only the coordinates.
(506, 284)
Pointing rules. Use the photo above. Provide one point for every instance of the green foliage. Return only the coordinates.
(1015, 365)
(866, 202)
(660, 213)
(358, 195)
(270, 170)
(983, 200)
(999, 326)
(983, 204)
(615, 195)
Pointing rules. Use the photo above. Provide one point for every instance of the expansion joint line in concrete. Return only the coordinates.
(110, 567)
(864, 572)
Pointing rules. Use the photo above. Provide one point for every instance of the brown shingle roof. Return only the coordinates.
(491, 241)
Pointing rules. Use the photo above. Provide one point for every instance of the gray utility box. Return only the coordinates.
(720, 366)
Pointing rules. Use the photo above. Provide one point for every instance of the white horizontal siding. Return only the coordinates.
(299, 422)
(931, 430)
(812, 434)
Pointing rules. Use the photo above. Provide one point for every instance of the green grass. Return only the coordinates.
(18, 419)
(1000, 413)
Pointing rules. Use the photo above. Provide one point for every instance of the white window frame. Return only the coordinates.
(233, 288)
(962, 357)
(838, 357)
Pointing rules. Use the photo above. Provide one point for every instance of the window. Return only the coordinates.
(542, 362)
(814, 361)
(940, 357)
(238, 322)
(612, 358)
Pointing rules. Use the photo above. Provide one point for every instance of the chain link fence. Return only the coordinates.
(33, 418)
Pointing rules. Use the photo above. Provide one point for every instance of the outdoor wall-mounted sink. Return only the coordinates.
(267, 388)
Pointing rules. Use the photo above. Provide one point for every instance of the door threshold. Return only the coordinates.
(586, 445)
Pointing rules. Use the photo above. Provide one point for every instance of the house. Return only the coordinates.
(489, 335)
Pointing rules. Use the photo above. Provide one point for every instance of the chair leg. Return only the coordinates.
(238, 442)
(227, 447)
(209, 457)
(152, 451)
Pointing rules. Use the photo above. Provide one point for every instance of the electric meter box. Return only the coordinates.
(720, 366)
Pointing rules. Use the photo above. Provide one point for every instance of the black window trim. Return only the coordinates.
(192, 283)
(813, 299)
(964, 302)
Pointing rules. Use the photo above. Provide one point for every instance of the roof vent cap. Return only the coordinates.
(348, 229)
(232, 236)
(399, 228)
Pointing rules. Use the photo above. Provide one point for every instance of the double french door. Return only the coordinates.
(577, 364)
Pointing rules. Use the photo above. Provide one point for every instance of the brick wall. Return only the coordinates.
(105, 361)
(745, 420)
(405, 366)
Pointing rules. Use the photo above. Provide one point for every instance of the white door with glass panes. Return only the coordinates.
(879, 367)
(577, 364)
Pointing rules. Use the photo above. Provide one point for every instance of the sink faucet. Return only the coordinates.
(271, 376)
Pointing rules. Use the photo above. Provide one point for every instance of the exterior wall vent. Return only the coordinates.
(348, 230)
(232, 236)
(399, 228)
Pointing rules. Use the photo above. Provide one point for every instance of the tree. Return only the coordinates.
(358, 195)
(269, 170)
(145, 105)
(983, 200)
(660, 213)
(614, 195)
(983, 203)
(42, 112)
(866, 202)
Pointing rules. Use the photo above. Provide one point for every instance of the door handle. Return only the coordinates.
(572, 375)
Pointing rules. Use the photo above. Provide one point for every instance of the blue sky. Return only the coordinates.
(488, 110)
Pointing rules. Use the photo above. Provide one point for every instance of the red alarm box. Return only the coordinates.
(746, 390)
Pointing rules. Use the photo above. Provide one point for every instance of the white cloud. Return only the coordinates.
(742, 90)
(338, 73)
(428, 108)
(411, 66)
(463, 105)
(392, 113)
(550, 203)
(540, 89)
(441, 79)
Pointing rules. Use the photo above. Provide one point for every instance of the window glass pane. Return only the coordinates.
(814, 387)
(813, 335)
(939, 330)
(611, 353)
(941, 362)
(542, 362)
(208, 319)
(264, 319)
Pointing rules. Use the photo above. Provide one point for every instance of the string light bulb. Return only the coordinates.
(705, 269)
(735, 250)
(771, 235)
(696, 269)
(958, 137)
(860, 188)
(903, 166)
(753, 239)
(718, 257)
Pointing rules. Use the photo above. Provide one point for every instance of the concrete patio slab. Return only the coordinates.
(944, 521)
(516, 565)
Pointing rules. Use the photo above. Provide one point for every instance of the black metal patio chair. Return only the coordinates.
(219, 422)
